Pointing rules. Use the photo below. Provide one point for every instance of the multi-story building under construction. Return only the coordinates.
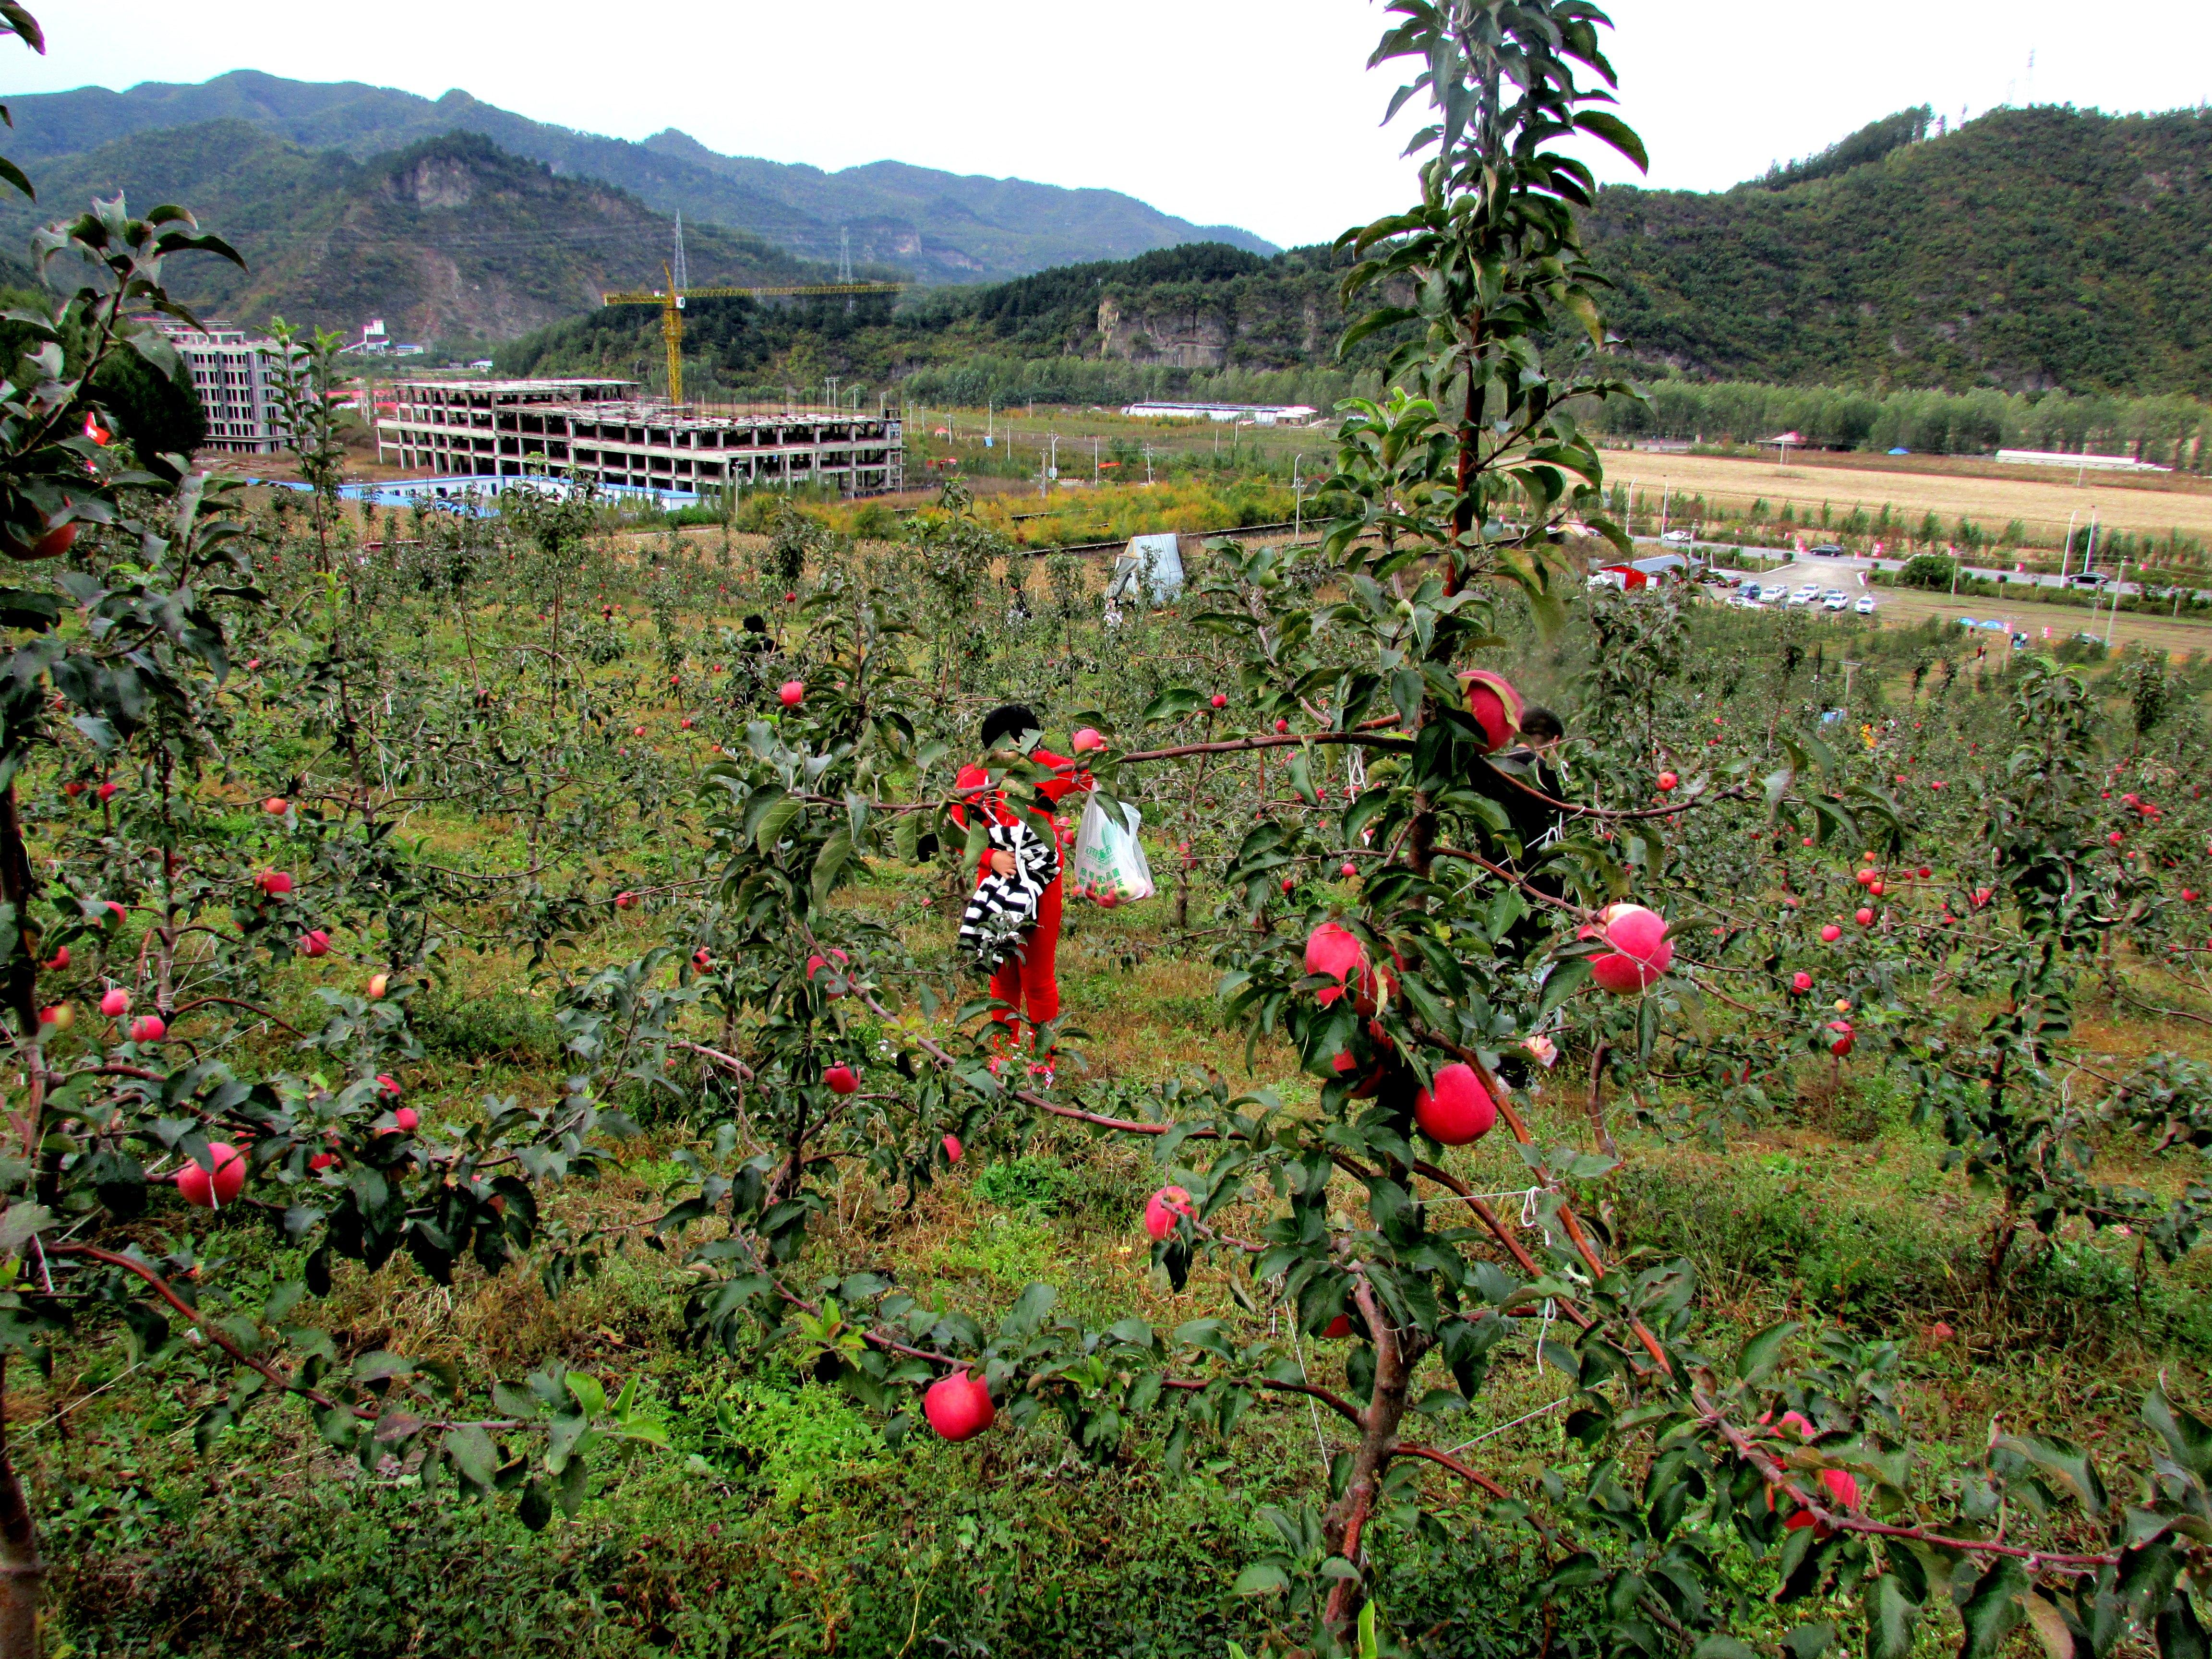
(603, 431)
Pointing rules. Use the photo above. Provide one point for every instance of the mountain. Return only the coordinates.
(450, 239)
(936, 227)
(2031, 248)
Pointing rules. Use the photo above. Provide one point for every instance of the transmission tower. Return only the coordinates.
(680, 274)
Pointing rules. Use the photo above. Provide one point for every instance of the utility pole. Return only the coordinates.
(1297, 502)
(2114, 615)
(1094, 463)
(2066, 548)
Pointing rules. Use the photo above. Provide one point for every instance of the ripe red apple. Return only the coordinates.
(1667, 781)
(1339, 1326)
(407, 1118)
(1800, 982)
(316, 942)
(1830, 933)
(1935, 783)
(1842, 1045)
(273, 883)
(115, 1003)
(387, 1085)
(1925, 872)
(1495, 705)
(816, 964)
(322, 1161)
(1641, 950)
(51, 544)
(1288, 883)
(959, 1407)
(1348, 868)
(73, 789)
(378, 984)
(1281, 726)
(1161, 1210)
(1335, 951)
(1875, 888)
(1085, 738)
(639, 733)
(792, 693)
(275, 807)
(61, 1017)
(842, 1079)
(1863, 877)
(702, 959)
(107, 791)
(791, 598)
(2188, 896)
(1459, 1110)
(1863, 917)
(213, 1189)
(2116, 838)
(149, 1028)
(952, 1148)
(625, 901)
(60, 959)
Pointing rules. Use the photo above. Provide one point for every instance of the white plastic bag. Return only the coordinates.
(1109, 864)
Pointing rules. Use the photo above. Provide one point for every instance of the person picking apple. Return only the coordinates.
(1024, 981)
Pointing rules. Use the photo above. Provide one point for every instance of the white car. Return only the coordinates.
(1677, 537)
(1834, 600)
(1807, 594)
(1865, 606)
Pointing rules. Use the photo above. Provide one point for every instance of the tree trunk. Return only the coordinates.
(1394, 1359)
(22, 1568)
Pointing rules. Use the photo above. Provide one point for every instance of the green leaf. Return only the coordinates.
(1890, 1614)
(587, 1392)
(1616, 133)
(1261, 1579)
(2184, 1433)
(1760, 1353)
(2064, 1460)
(1722, 1647)
(1994, 1609)
(472, 1453)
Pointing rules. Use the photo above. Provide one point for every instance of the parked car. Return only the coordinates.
(1834, 600)
(2089, 578)
(1677, 537)
(1828, 550)
(1807, 594)
(1865, 606)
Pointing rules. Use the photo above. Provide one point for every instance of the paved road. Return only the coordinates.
(1724, 553)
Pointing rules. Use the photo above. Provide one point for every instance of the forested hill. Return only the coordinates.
(2029, 249)
(934, 225)
(451, 241)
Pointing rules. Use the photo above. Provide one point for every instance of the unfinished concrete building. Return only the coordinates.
(602, 430)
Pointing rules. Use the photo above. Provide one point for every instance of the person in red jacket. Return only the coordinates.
(1025, 981)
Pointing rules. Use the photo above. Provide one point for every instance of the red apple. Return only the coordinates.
(1335, 951)
(60, 959)
(322, 1161)
(275, 807)
(1495, 705)
(1842, 1045)
(73, 789)
(792, 693)
(61, 1017)
(952, 1148)
(149, 1028)
(1338, 1327)
(316, 942)
(842, 1079)
(1863, 917)
(1281, 727)
(107, 791)
(273, 883)
(1460, 1110)
(407, 1117)
(1161, 1210)
(51, 544)
(1641, 950)
(702, 959)
(116, 1003)
(1087, 739)
(959, 1407)
(378, 984)
(1348, 868)
(1800, 982)
(1288, 883)
(1667, 781)
(213, 1189)
(625, 901)
(815, 964)
(1220, 700)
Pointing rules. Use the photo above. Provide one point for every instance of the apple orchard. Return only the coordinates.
(287, 785)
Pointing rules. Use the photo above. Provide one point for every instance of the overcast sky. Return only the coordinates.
(1252, 113)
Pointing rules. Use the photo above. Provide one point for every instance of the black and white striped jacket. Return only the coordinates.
(1004, 907)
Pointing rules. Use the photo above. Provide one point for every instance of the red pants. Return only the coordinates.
(1024, 981)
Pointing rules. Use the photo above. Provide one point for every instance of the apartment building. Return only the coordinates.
(605, 432)
(231, 374)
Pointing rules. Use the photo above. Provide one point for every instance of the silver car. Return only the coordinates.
(1865, 606)
(1834, 600)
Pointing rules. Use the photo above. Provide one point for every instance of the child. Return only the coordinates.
(1025, 981)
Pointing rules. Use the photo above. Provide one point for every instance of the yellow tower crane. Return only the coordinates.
(671, 301)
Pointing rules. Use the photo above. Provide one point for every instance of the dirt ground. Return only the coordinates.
(2041, 498)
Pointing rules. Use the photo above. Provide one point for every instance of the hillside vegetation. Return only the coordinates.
(450, 239)
(937, 227)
